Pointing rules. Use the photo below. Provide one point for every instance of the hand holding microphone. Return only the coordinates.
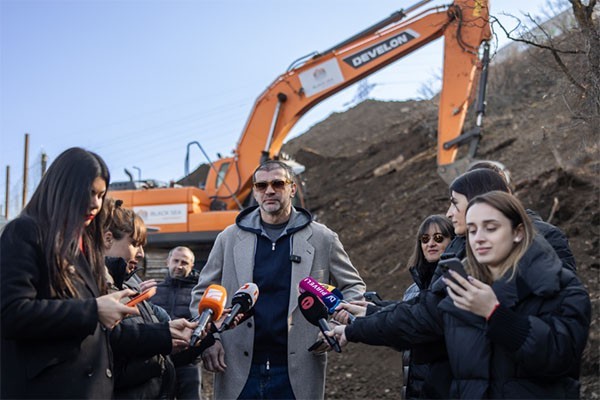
(242, 301)
(315, 312)
(181, 333)
(210, 308)
(310, 285)
(329, 295)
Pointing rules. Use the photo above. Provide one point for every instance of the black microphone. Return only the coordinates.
(242, 301)
(315, 312)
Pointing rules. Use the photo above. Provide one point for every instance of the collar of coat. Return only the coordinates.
(538, 273)
(249, 220)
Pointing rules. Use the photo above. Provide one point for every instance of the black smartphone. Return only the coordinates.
(316, 345)
(453, 264)
(371, 296)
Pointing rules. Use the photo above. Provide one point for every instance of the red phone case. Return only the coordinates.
(141, 297)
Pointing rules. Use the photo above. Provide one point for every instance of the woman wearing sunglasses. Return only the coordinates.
(514, 328)
(420, 378)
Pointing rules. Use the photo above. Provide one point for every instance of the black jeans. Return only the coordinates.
(271, 383)
(188, 382)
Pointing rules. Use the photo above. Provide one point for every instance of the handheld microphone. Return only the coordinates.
(210, 308)
(242, 301)
(337, 292)
(310, 285)
(315, 312)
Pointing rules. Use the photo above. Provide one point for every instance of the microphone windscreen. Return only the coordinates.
(310, 285)
(335, 291)
(338, 293)
(327, 286)
(214, 299)
(246, 296)
(312, 308)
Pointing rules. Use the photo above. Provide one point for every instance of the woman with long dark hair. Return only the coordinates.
(56, 312)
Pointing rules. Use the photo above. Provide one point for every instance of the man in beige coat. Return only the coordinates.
(275, 246)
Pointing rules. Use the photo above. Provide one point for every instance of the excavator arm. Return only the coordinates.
(463, 24)
(194, 216)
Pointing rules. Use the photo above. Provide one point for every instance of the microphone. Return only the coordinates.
(315, 312)
(338, 293)
(210, 308)
(331, 301)
(242, 301)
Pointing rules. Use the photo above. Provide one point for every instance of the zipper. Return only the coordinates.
(273, 246)
(268, 365)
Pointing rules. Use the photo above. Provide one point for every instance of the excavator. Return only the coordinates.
(193, 216)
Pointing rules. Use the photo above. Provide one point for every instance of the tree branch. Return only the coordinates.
(555, 52)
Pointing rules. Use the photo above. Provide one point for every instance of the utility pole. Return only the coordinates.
(25, 172)
(44, 162)
(6, 192)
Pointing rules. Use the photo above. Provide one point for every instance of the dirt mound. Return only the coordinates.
(371, 176)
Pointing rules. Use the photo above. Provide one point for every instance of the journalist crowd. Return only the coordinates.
(495, 311)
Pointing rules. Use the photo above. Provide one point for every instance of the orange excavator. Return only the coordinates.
(193, 216)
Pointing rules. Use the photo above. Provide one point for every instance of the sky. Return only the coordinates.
(137, 80)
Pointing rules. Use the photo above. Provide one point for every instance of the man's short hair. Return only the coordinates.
(271, 165)
(181, 248)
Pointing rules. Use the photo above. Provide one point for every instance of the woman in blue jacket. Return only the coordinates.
(515, 328)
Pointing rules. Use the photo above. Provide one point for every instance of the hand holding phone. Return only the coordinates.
(145, 295)
(455, 265)
(371, 296)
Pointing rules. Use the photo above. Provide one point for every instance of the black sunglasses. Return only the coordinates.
(437, 237)
(277, 184)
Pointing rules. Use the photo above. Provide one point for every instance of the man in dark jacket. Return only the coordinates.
(174, 295)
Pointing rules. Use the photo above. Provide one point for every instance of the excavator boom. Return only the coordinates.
(198, 214)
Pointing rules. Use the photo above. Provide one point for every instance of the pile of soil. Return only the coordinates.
(533, 126)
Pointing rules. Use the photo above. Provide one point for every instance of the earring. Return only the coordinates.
(517, 240)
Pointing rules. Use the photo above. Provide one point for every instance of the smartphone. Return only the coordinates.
(371, 296)
(316, 345)
(145, 295)
(453, 264)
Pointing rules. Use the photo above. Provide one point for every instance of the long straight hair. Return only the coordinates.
(512, 209)
(58, 206)
(446, 229)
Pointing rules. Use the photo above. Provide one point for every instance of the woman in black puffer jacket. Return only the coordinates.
(420, 376)
(516, 328)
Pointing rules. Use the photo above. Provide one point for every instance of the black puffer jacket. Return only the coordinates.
(557, 239)
(530, 348)
(425, 370)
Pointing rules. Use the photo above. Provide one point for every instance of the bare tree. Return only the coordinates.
(585, 49)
